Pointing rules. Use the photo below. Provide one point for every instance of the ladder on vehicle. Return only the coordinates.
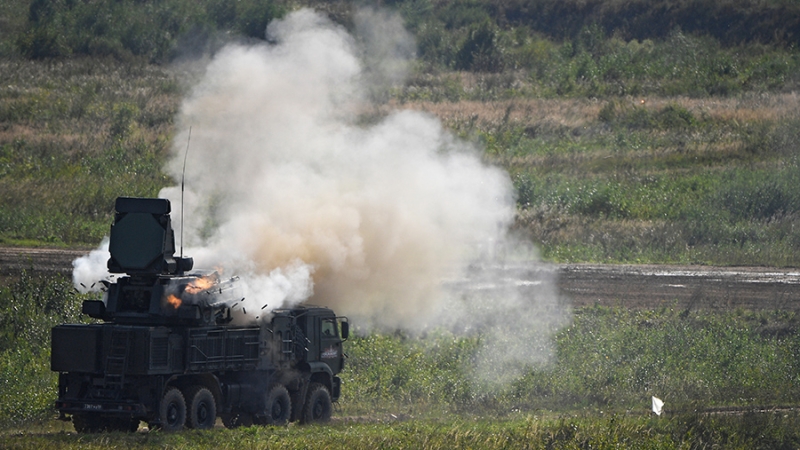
(117, 359)
(287, 343)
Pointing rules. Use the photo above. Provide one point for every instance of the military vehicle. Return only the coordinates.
(176, 348)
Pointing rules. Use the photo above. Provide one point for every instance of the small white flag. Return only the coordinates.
(657, 405)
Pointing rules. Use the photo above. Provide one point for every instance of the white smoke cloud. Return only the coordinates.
(89, 270)
(387, 49)
(280, 168)
(286, 188)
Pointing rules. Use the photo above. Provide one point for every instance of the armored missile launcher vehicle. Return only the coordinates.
(169, 348)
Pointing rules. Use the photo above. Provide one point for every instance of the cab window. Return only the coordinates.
(329, 328)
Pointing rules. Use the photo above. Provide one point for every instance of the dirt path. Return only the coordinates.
(630, 286)
(13, 260)
(683, 286)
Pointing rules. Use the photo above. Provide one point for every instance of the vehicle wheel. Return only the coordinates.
(172, 410)
(277, 407)
(123, 424)
(237, 419)
(318, 407)
(203, 408)
(88, 423)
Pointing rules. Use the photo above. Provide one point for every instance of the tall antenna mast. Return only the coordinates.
(183, 183)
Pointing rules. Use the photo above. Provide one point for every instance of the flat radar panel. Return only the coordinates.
(137, 240)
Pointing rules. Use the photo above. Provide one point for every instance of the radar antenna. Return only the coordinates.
(183, 183)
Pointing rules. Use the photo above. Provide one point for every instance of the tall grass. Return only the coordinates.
(749, 431)
(29, 308)
(679, 64)
(680, 148)
(76, 135)
(608, 359)
(661, 180)
(596, 392)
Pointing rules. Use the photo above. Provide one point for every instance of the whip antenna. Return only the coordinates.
(183, 183)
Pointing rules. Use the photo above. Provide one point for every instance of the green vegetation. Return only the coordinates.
(634, 131)
(673, 145)
(609, 359)
(680, 64)
(75, 135)
(29, 308)
(151, 30)
(661, 184)
(748, 431)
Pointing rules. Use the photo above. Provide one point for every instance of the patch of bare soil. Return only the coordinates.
(685, 287)
(14, 260)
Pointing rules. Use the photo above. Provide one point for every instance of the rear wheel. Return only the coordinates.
(88, 423)
(172, 411)
(202, 409)
(277, 407)
(95, 423)
(318, 407)
(124, 424)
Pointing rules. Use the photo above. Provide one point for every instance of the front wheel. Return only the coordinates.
(172, 411)
(318, 407)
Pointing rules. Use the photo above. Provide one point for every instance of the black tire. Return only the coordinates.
(277, 407)
(88, 423)
(172, 410)
(124, 425)
(237, 419)
(202, 409)
(95, 423)
(318, 407)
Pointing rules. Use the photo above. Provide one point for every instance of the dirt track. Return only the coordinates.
(638, 286)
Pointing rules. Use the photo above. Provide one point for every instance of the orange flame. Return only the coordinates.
(201, 284)
(174, 301)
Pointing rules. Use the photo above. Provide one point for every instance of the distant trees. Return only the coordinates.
(149, 29)
(473, 35)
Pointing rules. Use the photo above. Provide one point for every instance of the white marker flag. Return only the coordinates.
(657, 405)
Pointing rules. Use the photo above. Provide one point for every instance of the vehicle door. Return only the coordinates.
(330, 343)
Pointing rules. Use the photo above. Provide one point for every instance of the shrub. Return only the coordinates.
(757, 196)
(480, 51)
(29, 308)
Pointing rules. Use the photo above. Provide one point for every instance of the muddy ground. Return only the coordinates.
(630, 286)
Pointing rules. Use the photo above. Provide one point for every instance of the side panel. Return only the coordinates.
(278, 343)
(166, 352)
(221, 349)
(310, 324)
(125, 349)
(76, 348)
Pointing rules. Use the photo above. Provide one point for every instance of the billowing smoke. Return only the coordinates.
(281, 174)
(89, 270)
(388, 220)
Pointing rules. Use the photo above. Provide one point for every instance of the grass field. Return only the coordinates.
(626, 143)
(705, 180)
(715, 371)
(776, 430)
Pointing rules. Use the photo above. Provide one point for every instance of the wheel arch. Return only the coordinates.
(321, 373)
